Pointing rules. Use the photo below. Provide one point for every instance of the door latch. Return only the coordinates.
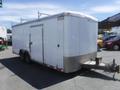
(58, 45)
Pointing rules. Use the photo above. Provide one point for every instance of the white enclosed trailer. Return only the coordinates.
(63, 41)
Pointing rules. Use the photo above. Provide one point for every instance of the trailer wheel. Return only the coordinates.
(22, 56)
(27, 58)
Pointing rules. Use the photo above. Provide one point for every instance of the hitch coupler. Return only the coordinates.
(97, 64)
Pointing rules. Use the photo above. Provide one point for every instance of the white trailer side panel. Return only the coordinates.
(53, 42)
(52, 37)
(20, 38)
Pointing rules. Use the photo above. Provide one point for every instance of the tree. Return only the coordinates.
(9, 31)
(0, 3)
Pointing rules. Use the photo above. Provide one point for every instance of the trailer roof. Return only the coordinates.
(67, 13)
(79, 14)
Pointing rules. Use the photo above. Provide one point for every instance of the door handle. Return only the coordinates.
(58, 45)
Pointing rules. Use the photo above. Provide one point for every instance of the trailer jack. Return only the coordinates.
(98, 64)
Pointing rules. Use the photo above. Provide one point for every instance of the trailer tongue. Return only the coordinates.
(98, 64)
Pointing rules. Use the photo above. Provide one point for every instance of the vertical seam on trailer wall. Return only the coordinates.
(43, 43)
(63, 40)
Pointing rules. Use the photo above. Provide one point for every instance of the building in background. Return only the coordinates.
(3, 33)
(9, 36)
(3, 38)
(6, 35)
(110, 24)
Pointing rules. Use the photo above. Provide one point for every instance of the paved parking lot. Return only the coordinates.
(18, 75)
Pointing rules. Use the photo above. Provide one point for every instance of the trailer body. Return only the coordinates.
(62, 41)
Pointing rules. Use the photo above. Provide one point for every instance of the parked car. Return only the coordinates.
(113, 43)
(109, 37)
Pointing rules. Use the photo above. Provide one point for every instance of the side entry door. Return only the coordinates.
(36, 43)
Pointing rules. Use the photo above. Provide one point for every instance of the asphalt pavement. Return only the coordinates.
(18, 75)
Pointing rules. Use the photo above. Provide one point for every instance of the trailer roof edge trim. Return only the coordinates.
(67, 13)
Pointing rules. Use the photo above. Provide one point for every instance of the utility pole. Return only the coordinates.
(21, 20)
(40, 14)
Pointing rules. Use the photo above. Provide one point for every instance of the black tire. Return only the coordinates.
(22, 56)
(116, 47)
(27, 58)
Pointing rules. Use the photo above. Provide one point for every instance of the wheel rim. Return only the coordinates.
(116, 47)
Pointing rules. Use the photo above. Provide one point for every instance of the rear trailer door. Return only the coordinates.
(36, 43)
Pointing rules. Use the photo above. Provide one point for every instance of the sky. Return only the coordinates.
(13, 10)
